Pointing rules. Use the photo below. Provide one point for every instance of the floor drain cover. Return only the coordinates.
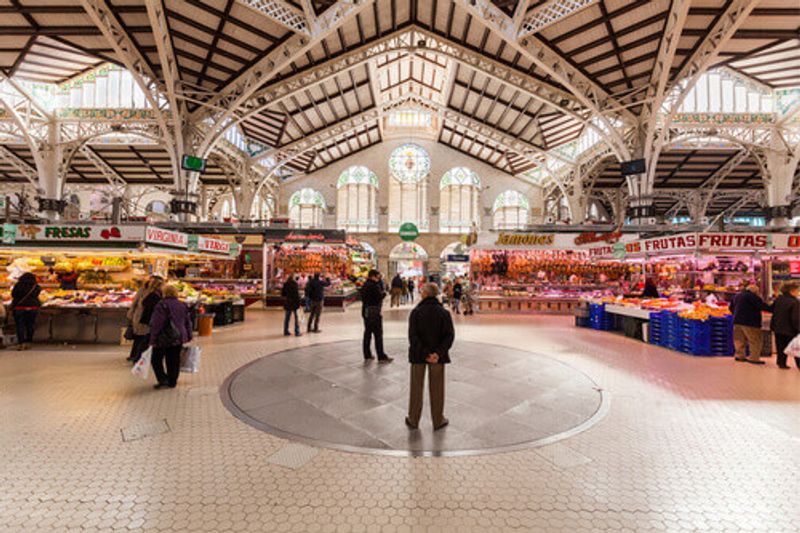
(293, 456)
(144, 429)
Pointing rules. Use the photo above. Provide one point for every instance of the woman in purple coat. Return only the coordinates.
(170, 329)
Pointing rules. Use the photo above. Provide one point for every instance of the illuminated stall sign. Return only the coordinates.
(328, 236)
(690, 242)
(214, 246)
(55, 233)
(165, 237)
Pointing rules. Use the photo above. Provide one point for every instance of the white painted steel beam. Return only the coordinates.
(20, 165)
(223, 107)
(114, 178)
(590, 94)
(549, 13)
(281, 12)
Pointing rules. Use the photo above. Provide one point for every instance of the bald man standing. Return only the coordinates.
(430, 337)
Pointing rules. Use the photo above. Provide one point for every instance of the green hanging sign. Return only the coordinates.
(234, 249)
(193, 243)
(618, 250)
(409, 231)
(9, 233)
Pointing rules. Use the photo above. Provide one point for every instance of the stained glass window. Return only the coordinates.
(459, 200)
(357, 199)
(306, 208)
(511, 210)
(409, 163)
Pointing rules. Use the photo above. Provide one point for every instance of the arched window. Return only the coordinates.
(459, 200)
(356, 200)
(225, 211)
(511, 209)
(264, 208)
(409, 166)
(157, 207)
(306, 208)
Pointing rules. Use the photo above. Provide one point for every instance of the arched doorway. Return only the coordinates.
(408, 259)
(455, 260)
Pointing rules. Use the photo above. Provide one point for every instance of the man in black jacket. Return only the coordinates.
(746, 308)
(372, 295)
(315, 293)
(291, 303)
(785, 321)
(430, 336)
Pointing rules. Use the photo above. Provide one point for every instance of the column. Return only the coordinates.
(48, 166)
(781, 166)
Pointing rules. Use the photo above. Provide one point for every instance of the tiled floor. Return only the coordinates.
(688, 444)
(500, 398)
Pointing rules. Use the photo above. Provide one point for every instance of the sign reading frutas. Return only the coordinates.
(409, 231)
(525, 239)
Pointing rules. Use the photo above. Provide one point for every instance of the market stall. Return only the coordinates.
(541, 272)
(89, 273)
(304, 253)
(454, 260)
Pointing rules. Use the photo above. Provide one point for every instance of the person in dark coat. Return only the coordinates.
(411, 290)
(650, 290)
(746, 307)
(458, 292)
(25, 306)
(315, 294)
(785, 323)
(430, 337)
(169, 312)
(397, 290)
(291, 303)
(372, 295)
(140, 313)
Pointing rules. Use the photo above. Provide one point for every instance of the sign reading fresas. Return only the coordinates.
(165, 237)
(409, 231)
(78, 233)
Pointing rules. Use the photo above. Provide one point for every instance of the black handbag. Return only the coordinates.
(128, 335)
(169, 335)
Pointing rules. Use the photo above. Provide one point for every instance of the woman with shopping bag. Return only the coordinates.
(170, 329)
(785, 323)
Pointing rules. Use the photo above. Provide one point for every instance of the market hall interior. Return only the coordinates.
(577, 218)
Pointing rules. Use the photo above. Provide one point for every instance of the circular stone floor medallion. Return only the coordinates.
(497, 399)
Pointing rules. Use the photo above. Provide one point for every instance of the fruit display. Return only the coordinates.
(701, 311)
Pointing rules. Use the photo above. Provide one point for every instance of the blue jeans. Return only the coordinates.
(287, 318)
(26, 324)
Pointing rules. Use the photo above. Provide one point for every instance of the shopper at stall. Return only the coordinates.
(291, 303)
(170, 329)
(650, 289)
(372, 295)
(405, 290)
(315, 294)
(430, 337)
(746, 307)
(25, 306)
(68, 280)
(140, 313)
(785, 323)
(458, 293)
(397, 290)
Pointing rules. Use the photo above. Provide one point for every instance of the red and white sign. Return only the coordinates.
(689, 242)
(216, 246)
(165, 237)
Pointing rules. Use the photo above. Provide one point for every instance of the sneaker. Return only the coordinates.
(385, 360)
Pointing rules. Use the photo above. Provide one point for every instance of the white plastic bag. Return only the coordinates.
(142, 367)
(190, 359)
(793, 350)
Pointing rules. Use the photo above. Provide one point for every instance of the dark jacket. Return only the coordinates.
(430, 330)
(25, 294)
(291, 295)
(746, 308)
(315, 290)
(786, 316)
(458, 291)
(148, 306)
(650, 291)
(372, 295)
(397, 282)
(175, 310)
